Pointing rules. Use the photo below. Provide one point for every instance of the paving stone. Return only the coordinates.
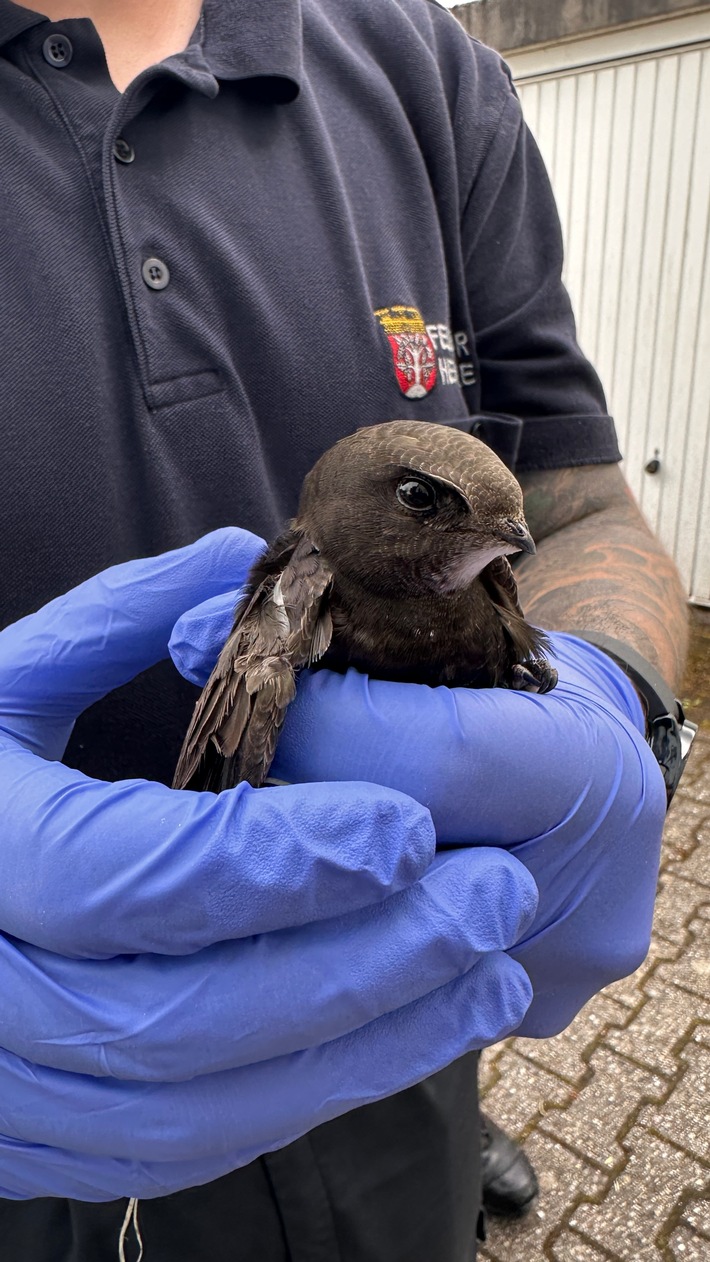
(636, 1212)
(592, 1121)
(666, 1020)
(700, 790)
(683, 1117)
(488, 1071)
(563, 1178)
(629, 991)
(696, 866)
(691, 971)
(568, 1053)
(686, 1246)
(678, 901)
(685, 819)
(523, 1094)
(570, 1247)
(696, 777)
(696, 1215)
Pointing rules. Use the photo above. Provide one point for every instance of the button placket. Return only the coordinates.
(166, 379)
(131, 104)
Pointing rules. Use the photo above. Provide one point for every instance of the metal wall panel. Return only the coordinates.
(627, 144)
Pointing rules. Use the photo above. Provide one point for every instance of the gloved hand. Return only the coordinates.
(565, 782)
(189, 980)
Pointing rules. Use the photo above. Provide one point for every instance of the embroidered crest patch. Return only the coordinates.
(412, 350)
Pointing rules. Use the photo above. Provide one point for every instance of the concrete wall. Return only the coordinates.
(509, 24)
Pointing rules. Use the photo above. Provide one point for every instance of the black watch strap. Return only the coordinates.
(668, 732)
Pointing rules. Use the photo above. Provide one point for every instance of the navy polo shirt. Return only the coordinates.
(321, 215)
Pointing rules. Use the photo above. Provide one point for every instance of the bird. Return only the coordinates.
(396, 564)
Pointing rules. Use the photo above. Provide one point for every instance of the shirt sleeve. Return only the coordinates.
(531, 365)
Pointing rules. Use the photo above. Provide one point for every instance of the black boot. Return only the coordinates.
(510, 1184)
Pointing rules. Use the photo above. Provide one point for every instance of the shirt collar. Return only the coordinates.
(14, 20)
(259, 42)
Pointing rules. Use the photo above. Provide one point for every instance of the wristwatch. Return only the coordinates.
(668, 732)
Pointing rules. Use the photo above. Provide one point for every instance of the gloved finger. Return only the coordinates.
(136, 867)
(583, 666)
(239, 1003)
(30, 1170)
(238, 1114)
(599, 871)
(58, 661)
(199, 634)
(565, 781)
(493, 766)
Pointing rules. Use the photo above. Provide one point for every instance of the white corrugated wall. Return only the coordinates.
(623, 122)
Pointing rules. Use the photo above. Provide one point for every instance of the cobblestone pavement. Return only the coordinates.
(614, 1112)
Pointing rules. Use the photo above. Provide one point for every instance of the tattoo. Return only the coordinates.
(599, 567)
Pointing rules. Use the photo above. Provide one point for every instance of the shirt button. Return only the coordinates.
(57, 50)
(155, 273)
(122, 151)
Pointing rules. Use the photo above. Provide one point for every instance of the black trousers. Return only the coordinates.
(397, 1181)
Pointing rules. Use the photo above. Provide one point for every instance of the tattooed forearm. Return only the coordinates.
(599, 567)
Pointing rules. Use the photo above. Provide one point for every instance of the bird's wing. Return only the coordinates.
(499, 580)
(282, 624)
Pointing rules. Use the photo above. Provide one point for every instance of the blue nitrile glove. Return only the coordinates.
(188, 980)
(565, 782)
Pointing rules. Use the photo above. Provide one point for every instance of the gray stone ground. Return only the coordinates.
(614, 1112)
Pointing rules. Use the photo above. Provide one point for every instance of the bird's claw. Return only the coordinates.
(535, 675)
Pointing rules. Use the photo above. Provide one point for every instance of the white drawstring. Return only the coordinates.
(130, 1219)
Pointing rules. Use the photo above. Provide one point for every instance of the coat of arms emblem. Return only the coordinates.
(412, 350)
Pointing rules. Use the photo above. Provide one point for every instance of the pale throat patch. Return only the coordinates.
(461, 572)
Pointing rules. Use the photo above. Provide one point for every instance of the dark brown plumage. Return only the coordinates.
(396, 564)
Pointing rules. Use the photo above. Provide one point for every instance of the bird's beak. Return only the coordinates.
(517, 534)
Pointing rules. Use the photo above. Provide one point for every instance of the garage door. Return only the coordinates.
(623, 121)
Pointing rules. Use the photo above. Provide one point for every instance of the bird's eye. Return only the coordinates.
(416, 495)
